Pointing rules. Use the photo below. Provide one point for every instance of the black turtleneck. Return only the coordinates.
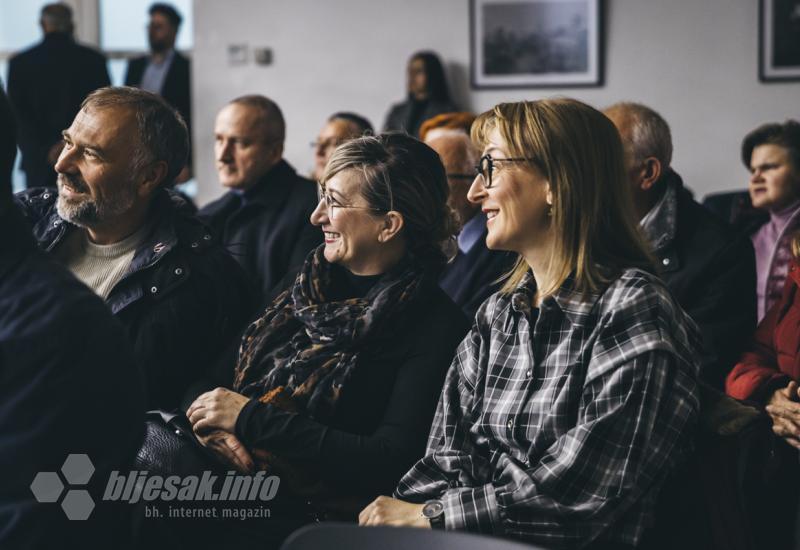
(346, 284)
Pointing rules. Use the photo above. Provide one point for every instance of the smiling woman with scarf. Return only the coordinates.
(336, 383)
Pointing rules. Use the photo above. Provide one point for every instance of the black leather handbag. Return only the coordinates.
(171, 448)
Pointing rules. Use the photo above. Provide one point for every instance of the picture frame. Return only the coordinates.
(536, 43)
(779, 40)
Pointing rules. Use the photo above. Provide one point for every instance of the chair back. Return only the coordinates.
(324, 536)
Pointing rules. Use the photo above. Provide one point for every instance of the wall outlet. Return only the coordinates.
(263, 56)
(237, 54)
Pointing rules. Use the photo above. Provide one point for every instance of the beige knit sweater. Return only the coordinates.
(98, 266)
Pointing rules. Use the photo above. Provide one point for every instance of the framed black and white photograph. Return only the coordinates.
(779, 40)
(536, 43)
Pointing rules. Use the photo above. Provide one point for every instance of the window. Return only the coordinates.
(19, 25)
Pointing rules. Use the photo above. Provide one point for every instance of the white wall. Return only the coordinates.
(696, 62)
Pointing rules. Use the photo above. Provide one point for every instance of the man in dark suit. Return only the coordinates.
(165, 71)
(46, 85)
(472, 276)
(709, 269)
(264, 219)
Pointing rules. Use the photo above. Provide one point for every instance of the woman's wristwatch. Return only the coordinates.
(433, 511)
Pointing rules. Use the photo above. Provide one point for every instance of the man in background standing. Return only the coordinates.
(165, 71)
(46, 85)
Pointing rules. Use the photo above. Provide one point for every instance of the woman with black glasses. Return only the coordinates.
(336, 383)
(574, 395)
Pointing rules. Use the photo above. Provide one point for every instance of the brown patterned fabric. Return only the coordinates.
(300, 354)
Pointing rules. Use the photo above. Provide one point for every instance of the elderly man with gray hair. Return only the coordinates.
(710, 270)
(473, 274)
(115, 226)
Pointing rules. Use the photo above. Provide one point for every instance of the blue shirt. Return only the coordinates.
(471, 232)
(155, 73)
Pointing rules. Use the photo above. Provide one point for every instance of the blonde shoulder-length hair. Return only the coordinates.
(580, 153)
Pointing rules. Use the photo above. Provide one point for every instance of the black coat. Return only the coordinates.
(472, 277)
(68, 385)
(182, 299)
(729, 205)
(711, 272)
(270, 233)
(46, 85)
(8, 146)
(409, 115)
(177, 84)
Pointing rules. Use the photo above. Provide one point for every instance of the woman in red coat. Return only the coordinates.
(768, 372)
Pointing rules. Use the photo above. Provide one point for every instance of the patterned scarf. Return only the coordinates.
(302, 351)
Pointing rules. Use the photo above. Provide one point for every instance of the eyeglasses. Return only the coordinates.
(333, 206)
(485, 167)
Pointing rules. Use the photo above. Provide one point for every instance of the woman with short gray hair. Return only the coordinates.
(336, 383)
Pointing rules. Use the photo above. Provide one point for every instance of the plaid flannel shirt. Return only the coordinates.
(560, 427)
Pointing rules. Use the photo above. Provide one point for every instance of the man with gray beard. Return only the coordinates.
(114, 225)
